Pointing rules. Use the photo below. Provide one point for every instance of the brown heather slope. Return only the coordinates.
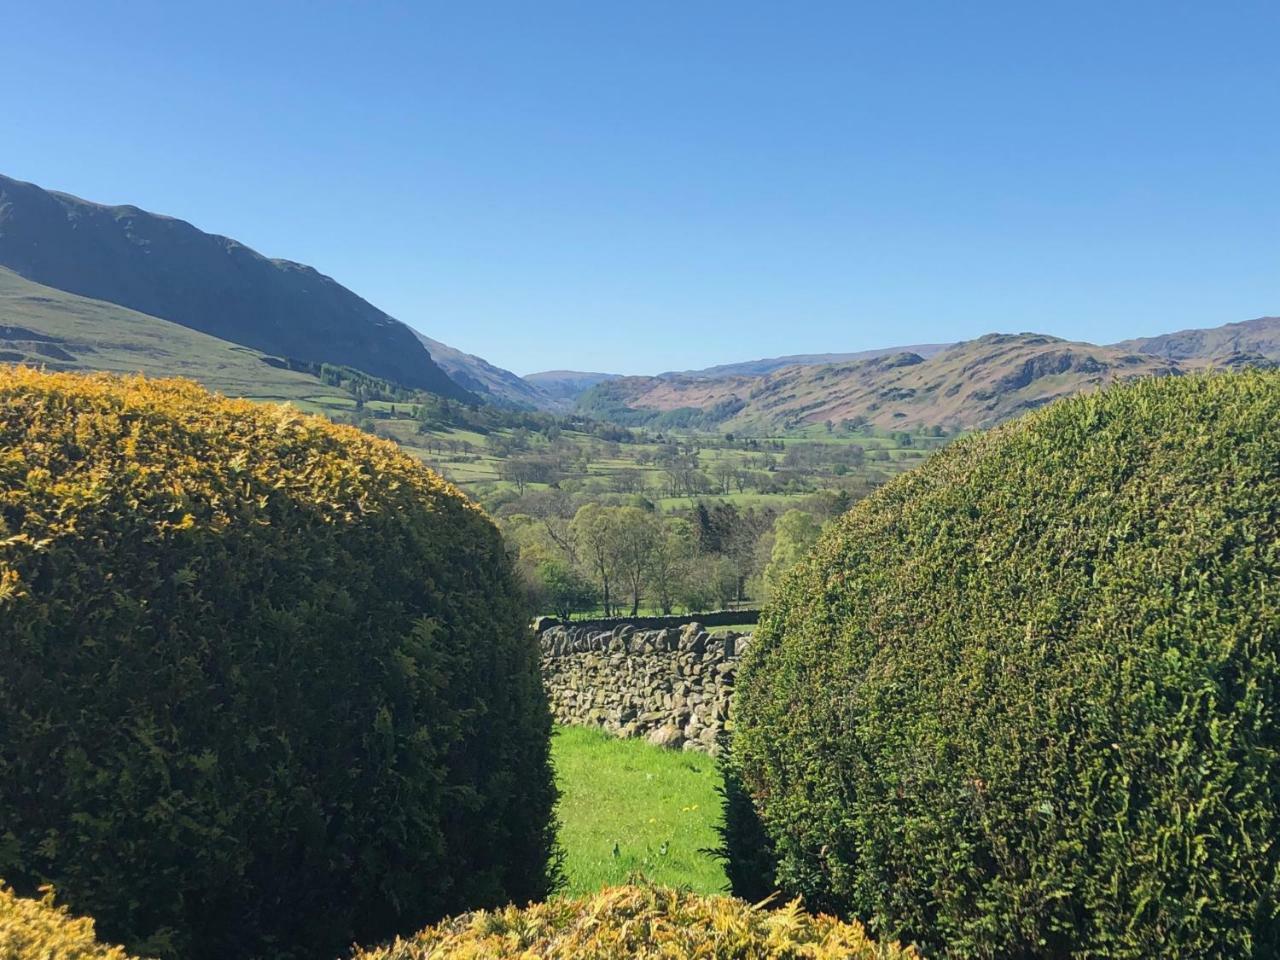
(972, 384)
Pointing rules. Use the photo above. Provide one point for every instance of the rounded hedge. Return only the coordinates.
(266, 686)
(1022, 702)
(638, 922)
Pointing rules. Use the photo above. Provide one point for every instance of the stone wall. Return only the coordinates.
(672, 686)
(716, 618)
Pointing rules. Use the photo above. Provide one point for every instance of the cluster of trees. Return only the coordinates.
(617, 558)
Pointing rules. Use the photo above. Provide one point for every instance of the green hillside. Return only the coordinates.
(167, 268)
(45, 327)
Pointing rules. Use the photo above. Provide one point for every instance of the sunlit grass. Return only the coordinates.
(627, 807)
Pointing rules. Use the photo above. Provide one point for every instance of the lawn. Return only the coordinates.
(628, 808)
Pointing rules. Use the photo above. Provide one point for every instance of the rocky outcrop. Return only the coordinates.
(671, 686)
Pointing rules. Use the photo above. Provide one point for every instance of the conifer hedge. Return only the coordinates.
(37, 929)
(1022, 702)
(642, 923)
(266, 686)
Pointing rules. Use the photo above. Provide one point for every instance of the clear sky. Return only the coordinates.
(645, 186)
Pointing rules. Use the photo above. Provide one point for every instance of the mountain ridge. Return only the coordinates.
(165, 267)
(770, 364)
(971, 384)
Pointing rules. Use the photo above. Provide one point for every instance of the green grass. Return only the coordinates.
(86, 334)
(630, 808)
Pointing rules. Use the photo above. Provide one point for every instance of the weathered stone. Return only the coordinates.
(668, 736)
(641, 682)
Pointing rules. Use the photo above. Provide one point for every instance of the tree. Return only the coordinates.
(525, 470)
(793, 536)
(696, 591)
(628, 480)
(594, 537)
(565, 590)
(669, 562)
(724, 472)
(636, 533)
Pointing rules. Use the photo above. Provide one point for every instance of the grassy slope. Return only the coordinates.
(90, 334)
(637, 797)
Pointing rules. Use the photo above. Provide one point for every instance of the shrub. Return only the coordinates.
(1022, 702)
(265, 683)
(37, 930)
(642, 922)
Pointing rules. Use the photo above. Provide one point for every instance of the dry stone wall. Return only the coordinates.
(672, 686)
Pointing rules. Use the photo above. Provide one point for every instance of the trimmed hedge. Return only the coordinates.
(266, 686)
(1022, 702)
(38, 930)
(642, 922)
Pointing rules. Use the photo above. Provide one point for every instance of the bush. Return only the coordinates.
(1022, 702)
(642, 922)
(265, 683)
(37, 930)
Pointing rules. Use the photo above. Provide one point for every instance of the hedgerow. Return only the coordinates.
(1022, 702)
(641, 922)
(32, 929)
(266, 686)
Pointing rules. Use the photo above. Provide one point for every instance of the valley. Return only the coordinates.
(701, 481)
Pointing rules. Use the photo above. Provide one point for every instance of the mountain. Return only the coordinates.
(758, 368)
(484, 379)
(166, 268)
(1260, 337)
(45, 327)
(972, 384)
(563, 387)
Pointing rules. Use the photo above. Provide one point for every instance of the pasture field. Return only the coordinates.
(748, 473)
(631, 809)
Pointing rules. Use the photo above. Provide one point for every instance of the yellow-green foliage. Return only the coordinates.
(637, 923)
(37, 930)
(1025, 701)
(266, 685)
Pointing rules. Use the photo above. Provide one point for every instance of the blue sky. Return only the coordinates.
(645, 186)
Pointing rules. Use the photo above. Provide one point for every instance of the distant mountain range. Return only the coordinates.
(88, 286)
(485, 380)
(564, 387)
(758, 368)
(975, 383)
(1231, 343)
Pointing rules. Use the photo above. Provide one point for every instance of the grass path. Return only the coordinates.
(630, 808)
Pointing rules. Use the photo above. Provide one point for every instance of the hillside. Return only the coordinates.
(972, 384)
(758, 368)
(563, 387)
(484, 379)
(167, 268)
(41, 326)
(1256, 338)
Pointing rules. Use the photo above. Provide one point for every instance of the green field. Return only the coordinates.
(628, 808)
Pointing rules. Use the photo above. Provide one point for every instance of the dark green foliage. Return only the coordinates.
(745, 848)
(266, 686)
(1022, 702)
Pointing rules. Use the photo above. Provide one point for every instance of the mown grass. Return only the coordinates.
(628, 808)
